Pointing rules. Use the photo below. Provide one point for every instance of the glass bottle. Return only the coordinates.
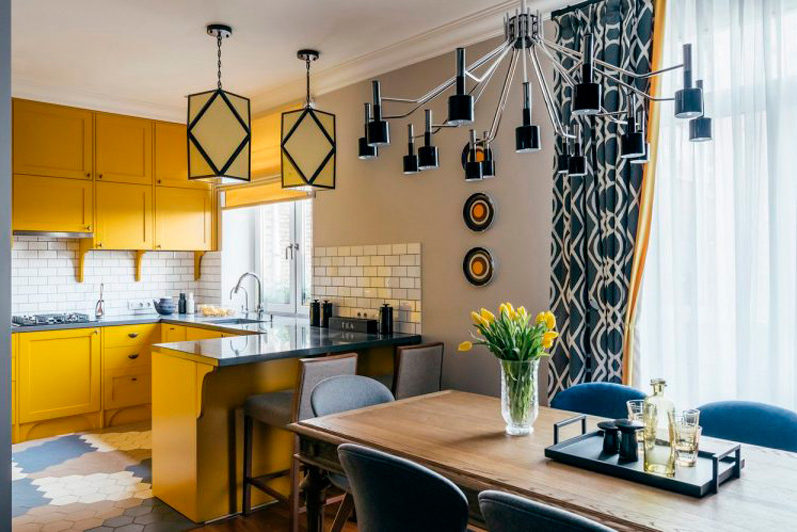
(658, 414)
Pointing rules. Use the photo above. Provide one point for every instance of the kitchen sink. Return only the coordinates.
(233, 321)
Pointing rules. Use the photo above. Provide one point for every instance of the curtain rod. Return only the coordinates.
(570, 9)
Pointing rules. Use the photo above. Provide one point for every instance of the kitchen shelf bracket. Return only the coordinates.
(198, 264)
(84, 246)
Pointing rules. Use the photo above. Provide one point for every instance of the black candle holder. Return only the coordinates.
(629, 448)
(611, 437)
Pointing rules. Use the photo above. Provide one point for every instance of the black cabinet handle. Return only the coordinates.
(135, 379)
(133, 356)
(132, 335)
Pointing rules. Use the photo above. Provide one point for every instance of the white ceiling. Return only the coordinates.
(143, 56)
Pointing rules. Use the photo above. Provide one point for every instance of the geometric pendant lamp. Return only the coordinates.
(308, 142)
(219, 133)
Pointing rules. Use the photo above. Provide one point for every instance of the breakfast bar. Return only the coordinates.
(198, 388)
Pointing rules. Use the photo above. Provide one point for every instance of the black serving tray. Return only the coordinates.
(586, 451)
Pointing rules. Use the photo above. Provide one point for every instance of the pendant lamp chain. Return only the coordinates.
(218, 44)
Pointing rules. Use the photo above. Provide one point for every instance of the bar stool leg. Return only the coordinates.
(247, 486)
(295, 481)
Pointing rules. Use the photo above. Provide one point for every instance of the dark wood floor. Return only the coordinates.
(271, 519)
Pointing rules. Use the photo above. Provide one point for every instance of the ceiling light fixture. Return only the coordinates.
(308, 141)
(367, 151)
(524, 43)
(218, 127)
(410, 160)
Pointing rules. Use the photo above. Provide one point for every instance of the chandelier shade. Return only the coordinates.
(700, 129)
(562, 164)
(378, 130)
(219, 129)
(410, 160)
(308, 144)
(645, 157)
(428, 156)
(488, 164)
(365, 150)
(632, 144)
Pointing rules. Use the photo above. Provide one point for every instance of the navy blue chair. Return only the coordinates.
(749, 422)
(504, 512)
(604, 399)
(392, 494)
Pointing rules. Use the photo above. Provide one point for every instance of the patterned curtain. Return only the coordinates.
(595, 216)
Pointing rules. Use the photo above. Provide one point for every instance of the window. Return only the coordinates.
(718, 304)
(284, 233)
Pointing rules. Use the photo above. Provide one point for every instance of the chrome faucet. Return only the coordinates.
(260, 307)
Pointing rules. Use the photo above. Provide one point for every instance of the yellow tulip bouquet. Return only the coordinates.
(519, 343)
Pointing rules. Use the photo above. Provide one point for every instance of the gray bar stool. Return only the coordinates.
(418, 369)
(505, 512)
(280, 408)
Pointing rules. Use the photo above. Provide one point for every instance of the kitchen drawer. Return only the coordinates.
(124, 358)
(130, 335)
(172, 333)
(128, 388)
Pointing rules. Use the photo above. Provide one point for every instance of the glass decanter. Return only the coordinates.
(658, 414)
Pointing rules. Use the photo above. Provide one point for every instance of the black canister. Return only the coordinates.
(315, 313)
(181, 304)
(326, 313)
(629, 448)
(386, 319)
(611, 437)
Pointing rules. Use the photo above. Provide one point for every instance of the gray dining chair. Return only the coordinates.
(505, 512)
(278, 409)
(392, 494)
(418, 370)
(339, 394)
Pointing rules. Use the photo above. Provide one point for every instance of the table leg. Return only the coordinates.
(314, 486)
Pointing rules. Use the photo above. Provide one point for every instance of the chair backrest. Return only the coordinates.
(392, 494)
(419, 369)
(749, 422)
(603, 399)
(504, 512)
(314, 370)
(347, 392)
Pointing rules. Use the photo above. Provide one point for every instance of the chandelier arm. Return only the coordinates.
(481, 87)
(499, 111)
(449, 82)
(487, 73)
(632, 88)
(546, 93)
(558, 66)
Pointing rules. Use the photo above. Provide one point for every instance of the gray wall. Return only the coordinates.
(375, 203)
(5, 264)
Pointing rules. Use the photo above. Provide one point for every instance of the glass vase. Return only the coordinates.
(519, 403)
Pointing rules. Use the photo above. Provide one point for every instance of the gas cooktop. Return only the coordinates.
(50, 319)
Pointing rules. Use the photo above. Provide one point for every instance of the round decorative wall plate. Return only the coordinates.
(478, 266)
(478, 212)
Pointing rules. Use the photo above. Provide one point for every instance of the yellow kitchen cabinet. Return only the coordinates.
(52, 140)
(123, 149)
(124, 216)
(52, 204)
(183, 219)
(126, 357)
(126, 388)
(199, 333)
(172, 333)
(171, 159)
(14, 387)
(59, 374)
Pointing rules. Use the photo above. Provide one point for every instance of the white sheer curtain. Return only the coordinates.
(718, 315)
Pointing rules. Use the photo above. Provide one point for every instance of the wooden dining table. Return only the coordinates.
(461, 436)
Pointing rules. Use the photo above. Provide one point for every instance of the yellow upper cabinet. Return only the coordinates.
(171, 156)
(183, 219)
(59, 374)
(124, 216)
(52, 204)
(123, 146)
(52, 140)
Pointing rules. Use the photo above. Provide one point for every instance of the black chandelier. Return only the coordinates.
(524, 43)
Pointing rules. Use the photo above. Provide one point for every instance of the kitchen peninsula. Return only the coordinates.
(198, 387)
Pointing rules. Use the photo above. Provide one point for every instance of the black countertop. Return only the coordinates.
(284, 337)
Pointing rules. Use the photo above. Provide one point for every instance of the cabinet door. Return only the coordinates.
(183, 219)
(124, 216)
(172, 333)
(128, 388)
(51, 140)
(199, 333)
(14, 387)
(59, 374)
(171, 157)
(52, 204)
(123, 147)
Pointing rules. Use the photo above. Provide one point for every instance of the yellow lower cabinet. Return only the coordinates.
(172, 333)
(124, 216)
(183, 219)
(124, 388)
(53, 204)
(14, 388)
(59, 382)
(198, 333)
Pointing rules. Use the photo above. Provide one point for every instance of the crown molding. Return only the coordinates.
(96, 101)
